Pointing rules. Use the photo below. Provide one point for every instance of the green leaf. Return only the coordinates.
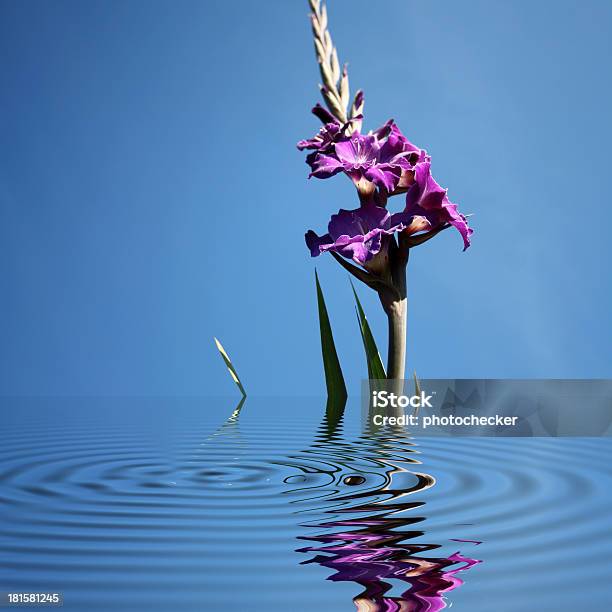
(364, 342)
(376, 369)
(230, 367)
(334, 380)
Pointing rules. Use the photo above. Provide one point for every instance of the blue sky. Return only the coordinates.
(151, 195)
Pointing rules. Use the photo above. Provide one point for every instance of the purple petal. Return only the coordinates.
(358, 234)
(373, 217)
(324, 166)
(346, 223)
(314, 242)
(359, 222)
(383, 131)
(357, 151)
(426, 198)
(396, 144)
(312, 143)
(459, 222)
(384, 176)
(323, 114)
(326, 136)
(356, 248)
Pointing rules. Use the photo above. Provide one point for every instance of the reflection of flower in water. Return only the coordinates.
(374, 545)
(372, 554)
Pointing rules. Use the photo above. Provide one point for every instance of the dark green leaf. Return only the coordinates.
(376, 369)
(334, 380)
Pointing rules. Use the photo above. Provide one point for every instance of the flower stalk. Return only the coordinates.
(371, 242)
(396, 308)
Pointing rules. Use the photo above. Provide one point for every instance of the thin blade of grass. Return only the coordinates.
(334, 379)
(230, 367)
(376, 369)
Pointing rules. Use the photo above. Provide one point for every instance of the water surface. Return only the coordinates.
(168, 504)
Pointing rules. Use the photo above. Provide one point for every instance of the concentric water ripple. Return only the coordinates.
(164, 505)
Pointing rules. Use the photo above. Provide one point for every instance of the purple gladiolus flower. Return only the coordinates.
(380, 164)
(359, 234)
(428, 200)
(381, 159)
